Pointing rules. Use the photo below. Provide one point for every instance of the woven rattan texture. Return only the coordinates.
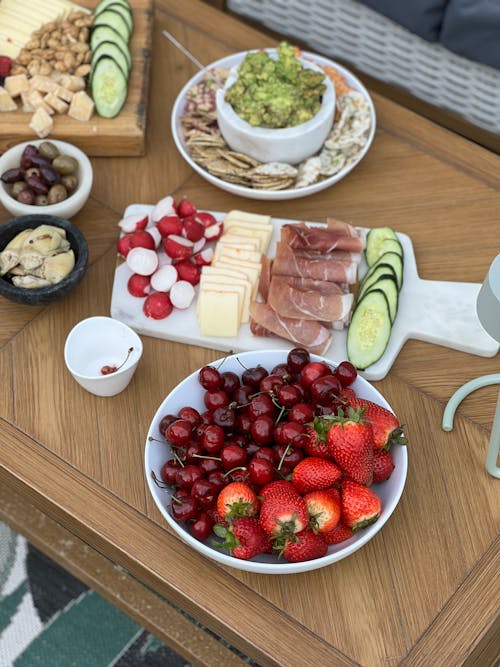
(347, 30)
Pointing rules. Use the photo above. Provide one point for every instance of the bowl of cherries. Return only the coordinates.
(275, 461)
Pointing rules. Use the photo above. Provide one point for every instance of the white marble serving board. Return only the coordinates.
(443, 313)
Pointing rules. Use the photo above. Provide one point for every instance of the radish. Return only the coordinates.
(157, 306)
(124, 245)
(192, 230)
(177, 247)
(155, 234)
(213, 232)
(199, 245)
(205, 219)
(142, 239)
(163, 278)
(182, 294)
(164, 207)
(139, 285)
(204, 257)
(185, 208)
(134, 222)
(142, 261)
(188, 271)
(169, 224)
(163, 259)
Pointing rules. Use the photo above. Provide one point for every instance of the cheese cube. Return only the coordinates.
(64, 93)
(16, 84)
(71, 82)
(57, 104)
(41, 123)
(6, 101)
(43, 83)
(218, 312)
(27, 106)
(35, 98)
(81, 107)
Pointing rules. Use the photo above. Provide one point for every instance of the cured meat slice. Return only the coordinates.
(308, 304)
(258, 330)
(334, 256)
(341, 227)
(265, 276)
(289, 263)
(323, 239)
(323, 286)
(306, 333)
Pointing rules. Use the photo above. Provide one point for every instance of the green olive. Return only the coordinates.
(48, 149)
(41, 200)
(57, 193)
(18, 187)
(70, 182)
(65, 164)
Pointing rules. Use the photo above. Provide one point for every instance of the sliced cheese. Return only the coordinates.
(261, 234)
(238, 254)
(250, 270)
(217, 279)
(248, 217)
(218, 312)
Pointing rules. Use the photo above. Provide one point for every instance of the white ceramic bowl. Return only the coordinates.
(101, 341)
(64, 209)
(290, 144)
(190, 392)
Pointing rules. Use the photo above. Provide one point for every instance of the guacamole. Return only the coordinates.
(276, 93)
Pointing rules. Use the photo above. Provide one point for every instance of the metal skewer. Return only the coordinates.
(182, 48)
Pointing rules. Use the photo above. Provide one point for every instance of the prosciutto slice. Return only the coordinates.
(323, 239)
(289, 263)
(305, 333)
(265, 277)
(309, 304)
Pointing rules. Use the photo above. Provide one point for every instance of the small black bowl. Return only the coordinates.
(43, 295)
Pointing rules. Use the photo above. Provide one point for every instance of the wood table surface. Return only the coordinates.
(425, 590)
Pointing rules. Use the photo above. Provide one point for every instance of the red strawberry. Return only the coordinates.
(383, 465)
(235, 500)
(315, 445)
(279, 486)
(360, 505)
(350, 441)
(338, 534)
(283, 514)
(314, 474)
(244, 538)
(386, 428)
(324, 509)
(306, 545)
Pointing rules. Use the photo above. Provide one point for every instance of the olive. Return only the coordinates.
(65, 164)
(41, 200)
(12, 175)
(57, 193)
(32, 171)
(70, 182)
(48, 150)
(39, 161)
(36, 184)
(49, 175)
(18, 187)
(27, 155)
(26, 196)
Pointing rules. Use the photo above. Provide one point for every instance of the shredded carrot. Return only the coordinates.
(339, 81)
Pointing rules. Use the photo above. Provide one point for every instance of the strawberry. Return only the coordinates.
(360, 505)
(235, 500)
(283, 514)
(314, 474)
(350, 442)
(277, 487)
(324, 509)
(315, 445)
(383, 465)
(338, 534)
(306, 545)
(386, 428)
(243, 538)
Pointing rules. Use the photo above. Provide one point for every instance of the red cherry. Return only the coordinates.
(267, 453)
(288, 395)
(301, 412)
(213, 438)
(242, 394)
(325, 389)
(216, 399)
(230, 382)
(312, 371)
(297, 359)
(262, 429)
(166, 421)
(286, 432)
(243, 423)
(187, 476)
(178, 432)
(204, 491)
(186, 509)
(271, 383)
(254, 376)
(193, 451)
(289, 455)
(210, 378)
(233, 456)
(225, 417)
(169, 470)
(261, 471)
(261, 405)
(201, 528)
(216, 477)
(346, 373)
(190, 414)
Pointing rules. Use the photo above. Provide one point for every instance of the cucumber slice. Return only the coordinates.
(391, 245)
(369, 330)
(374, 240)
(109, 87)
(110, 50)
(388, 259)
(104, 3)
(377, 271)
(112, 19)
(106, 34)
(122, 9)
(389, 287)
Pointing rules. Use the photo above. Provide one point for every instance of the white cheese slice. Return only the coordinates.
(218, 312)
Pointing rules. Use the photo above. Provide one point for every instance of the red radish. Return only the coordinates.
(157, 306)
(185, 208)
(134, 222)
(205, 219)
(169, 224)
(199, 245)
(124, 245)
(177, 247)
(186, 270)
(192, 230)
(142, 261)
(142, 239)
(155, 234)
(139, 285)
(164, 259)
(204, 257)
(163, 278)
(214, 232)
(182, 294)
(164, 207)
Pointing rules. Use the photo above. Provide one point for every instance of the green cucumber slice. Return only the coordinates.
(122, 9)
(388, 259)
(104, 3)
(112, 19)
(109, 50)
(369, 331)
(104, 33)
(389, 287)
(377, 271)
(374, 240)
(109, 87)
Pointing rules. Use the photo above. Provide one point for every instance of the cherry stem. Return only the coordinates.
(202, 456)
(285, 453)
(114, 368)
(158, 482)
(233, 470)
(177, 458)
(151, 439)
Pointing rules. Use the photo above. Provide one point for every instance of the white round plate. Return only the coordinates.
(189, 392)
(253, 193)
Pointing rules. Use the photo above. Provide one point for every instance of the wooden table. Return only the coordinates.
(425, 590)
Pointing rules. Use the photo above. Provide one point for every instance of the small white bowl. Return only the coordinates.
(190, 392)
(102, 341)
(289, 144)
(64, 209)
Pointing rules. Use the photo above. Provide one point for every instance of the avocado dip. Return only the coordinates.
(276, 93)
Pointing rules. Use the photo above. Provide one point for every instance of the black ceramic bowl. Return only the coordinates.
(43, 295)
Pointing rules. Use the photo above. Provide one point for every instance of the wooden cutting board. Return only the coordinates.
(122, 135)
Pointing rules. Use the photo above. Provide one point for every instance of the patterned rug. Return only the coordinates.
(50, 619)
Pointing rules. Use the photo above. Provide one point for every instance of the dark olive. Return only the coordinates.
(41, 200)
(18, 187)
(36, 184)
(70, 182)
(28, 154)
(39, 161)
(32, 171)
(57, 193)
(12, 175)
(26, 196)
(65, 164)
(49, 175)
(48, 150)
